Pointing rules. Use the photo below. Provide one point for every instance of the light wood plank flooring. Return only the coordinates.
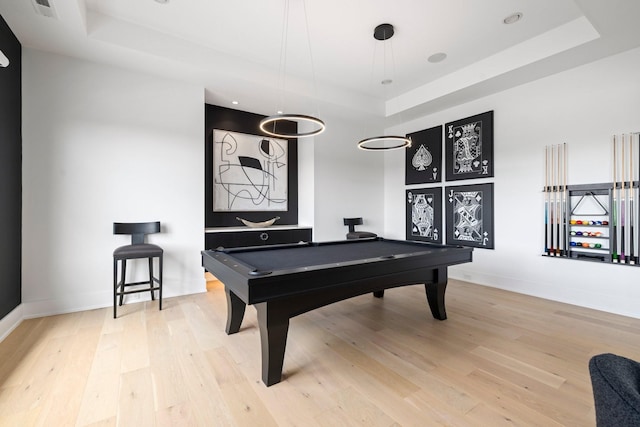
(500, 359)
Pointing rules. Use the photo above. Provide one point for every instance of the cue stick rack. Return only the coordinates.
(594, 222)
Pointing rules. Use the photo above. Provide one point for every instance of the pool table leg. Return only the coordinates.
(274, 325)
(235, 312)
(435, 294)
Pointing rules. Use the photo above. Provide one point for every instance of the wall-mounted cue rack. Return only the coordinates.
(594, 222)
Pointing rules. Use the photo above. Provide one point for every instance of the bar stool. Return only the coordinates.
(353, 234)
(136, 250)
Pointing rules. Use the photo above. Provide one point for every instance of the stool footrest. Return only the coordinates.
(135, 291)
(146, 282)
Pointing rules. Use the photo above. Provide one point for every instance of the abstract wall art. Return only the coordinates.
(424, 214)
(469, 215)
(249, 172)
(423, 160)
(469, 147)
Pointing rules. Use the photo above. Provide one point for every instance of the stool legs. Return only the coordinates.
(120, 284)
(115, 286)
(153, 297)
(160, 282)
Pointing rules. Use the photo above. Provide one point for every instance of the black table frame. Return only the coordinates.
(277, 296)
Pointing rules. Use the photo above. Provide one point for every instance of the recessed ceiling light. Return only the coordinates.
(386, 82)
(235, 102)
(162, 1)
(513, 18)
(437, 57)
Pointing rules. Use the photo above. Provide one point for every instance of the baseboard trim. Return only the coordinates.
(11, 321)
(35, 309)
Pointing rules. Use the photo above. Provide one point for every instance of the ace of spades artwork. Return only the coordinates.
(424, 158)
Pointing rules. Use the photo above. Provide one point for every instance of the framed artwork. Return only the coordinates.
(469, 147)
(249, 172)
(424, 214)
(423, 161)
(469, 215)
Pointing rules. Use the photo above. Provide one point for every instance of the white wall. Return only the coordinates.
(348, 182)
(101, 145)
(582, 107)
(91, 133)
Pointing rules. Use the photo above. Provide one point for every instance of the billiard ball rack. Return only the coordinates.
(593, 230)
(594, 222)
(589, 224)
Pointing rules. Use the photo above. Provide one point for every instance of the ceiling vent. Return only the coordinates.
(45, 8)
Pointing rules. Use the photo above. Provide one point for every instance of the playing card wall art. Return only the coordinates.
(249, 172)
(424, 214)
(423, 161)
(469, 215)
(469, 147)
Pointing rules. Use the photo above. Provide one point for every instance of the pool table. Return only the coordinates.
(283, 281)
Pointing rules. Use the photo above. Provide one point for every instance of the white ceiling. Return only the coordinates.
(232, 48)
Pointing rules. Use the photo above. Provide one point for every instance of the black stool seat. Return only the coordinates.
(353, 234)
(138, 249)
(144, 250)
(360, 235)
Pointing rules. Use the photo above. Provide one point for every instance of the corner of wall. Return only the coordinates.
(11, 321)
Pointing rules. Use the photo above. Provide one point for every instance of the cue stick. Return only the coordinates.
(614, 244)
(632, 255)
(559, 225)
(565, 201)
(623, 196)
(546, 199)
(553, 203)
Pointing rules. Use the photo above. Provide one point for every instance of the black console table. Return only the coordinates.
(233, 237)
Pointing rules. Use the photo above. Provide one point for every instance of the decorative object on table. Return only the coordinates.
(424, 214)
(469, 215)
(267, 223)
(249, 172)
(384, 32)
(469, 147)
(423, 160)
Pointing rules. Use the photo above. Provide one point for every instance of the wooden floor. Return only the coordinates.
(500, 359)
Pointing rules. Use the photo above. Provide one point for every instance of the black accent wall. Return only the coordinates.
(217, 117)
(10, 172)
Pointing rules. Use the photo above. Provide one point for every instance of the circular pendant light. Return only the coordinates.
(384, 32)
(379, 143)
(269, 125)
(298, 118)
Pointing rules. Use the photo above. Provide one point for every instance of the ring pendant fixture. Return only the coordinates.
(299, 118)
(382, 33)
(269, 125)
(389, 142)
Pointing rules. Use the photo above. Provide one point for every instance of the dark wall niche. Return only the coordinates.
(248, 123)
(10, 172)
